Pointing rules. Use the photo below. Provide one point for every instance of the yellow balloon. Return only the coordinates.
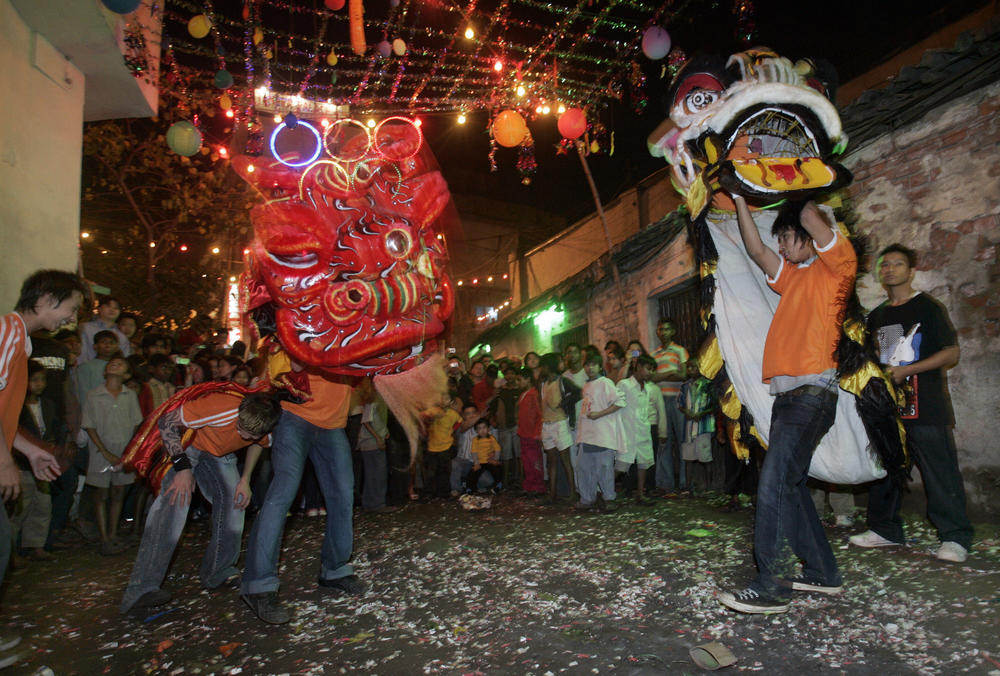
(258, 36)
(225, 102)
(199, 26)
(331, 58)
(398, 47)
(594, 146)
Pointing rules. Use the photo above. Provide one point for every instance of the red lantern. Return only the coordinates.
(509, 128)
(335, 4)
(572, 123)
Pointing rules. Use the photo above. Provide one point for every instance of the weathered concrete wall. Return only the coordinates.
(935, 187)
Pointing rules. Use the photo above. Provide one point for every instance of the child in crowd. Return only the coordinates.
(158, 388)
(695, 401)
(373, 438)
(505, 405)
(486, 456)
(529, 433)
(440, 446)
(111, 415)
(91, 373)
(463, 461)
(601, 435)
(33, 512)
(644, 422)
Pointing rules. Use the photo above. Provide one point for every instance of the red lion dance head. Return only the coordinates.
(346, 267)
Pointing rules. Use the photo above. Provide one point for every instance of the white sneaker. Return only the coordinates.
(871, 539)
(952, 551)
(843, 521)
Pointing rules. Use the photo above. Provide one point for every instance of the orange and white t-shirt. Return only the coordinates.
(15, 348)
(806, 326)
(329, 405)
(211, 423)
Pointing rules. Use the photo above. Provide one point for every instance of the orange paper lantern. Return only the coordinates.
(356, 17)
(509, 128)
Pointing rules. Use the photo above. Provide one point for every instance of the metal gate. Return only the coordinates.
(682, 303)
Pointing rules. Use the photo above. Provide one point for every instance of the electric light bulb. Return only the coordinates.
(520, 90)
(461, 118)
(215, 249)
(469, 33)
(371, 123)
(498, 65)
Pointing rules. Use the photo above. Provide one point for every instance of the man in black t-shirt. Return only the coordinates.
(916, 344)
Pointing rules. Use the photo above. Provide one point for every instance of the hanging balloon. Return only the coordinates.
(333, 78)
(331, 58)
(384, 48)
(184, 138)
(595, 146)
(655, 43)
(258, 36)
(572, 123)
(122, 6)
(509, 128)
(356, 19)
(398, 47)
(223, 79)
(225, 102)
(199, 26)
(335, 5)
(291, 121)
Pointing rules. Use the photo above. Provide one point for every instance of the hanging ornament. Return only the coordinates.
(655, 43)
(199, 26)
(572, 123)
(398, 47)
(384, 48)
(745, 24)
(356, 18)
(675, 61)
(331, 58)
(258, 36)
(526, 164)
(333, 78)
(225, 102)
(595, 146)
(122, 6)
(335, 5)
(246, 11)
(291, 122)
(223, 79)
(184, 138)
(509, 128)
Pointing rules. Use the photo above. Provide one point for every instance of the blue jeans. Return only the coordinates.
(670, 471)
(933, 450)
(217, 478)
(293, 441)
(787, 526)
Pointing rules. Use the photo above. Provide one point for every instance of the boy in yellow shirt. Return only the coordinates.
(486, 454)
(440, 447)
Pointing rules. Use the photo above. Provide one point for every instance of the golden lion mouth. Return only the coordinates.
(773, 132)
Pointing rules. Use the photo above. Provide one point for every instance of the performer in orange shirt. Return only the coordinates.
(200, 436)
(312, 429)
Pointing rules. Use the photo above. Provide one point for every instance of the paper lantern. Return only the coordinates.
(655, 43)
(331, 58)
(572, 123)
(122, 6)
(384, 48)
(398, 47)
(199, 26)
(223, 79)
(509, 128)
(184, 138)
(225, 102)
(258, 36)
(356, 21)
(335, 5)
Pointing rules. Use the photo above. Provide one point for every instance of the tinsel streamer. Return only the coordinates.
(440, 61)
(496, 21)
(638, 92)
(746, 27)
(314, 57)
(526, 163)
(493, 154)
(246, 95)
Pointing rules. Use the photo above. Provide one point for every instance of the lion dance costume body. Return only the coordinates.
(765, 128)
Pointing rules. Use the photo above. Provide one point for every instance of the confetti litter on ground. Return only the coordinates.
(523, 588)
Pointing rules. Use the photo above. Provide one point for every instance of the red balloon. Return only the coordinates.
(335, 4)
(572, 123)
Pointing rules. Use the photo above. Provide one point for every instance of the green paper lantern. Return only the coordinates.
(184, 138)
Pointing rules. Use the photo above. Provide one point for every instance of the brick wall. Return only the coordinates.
(935, 187)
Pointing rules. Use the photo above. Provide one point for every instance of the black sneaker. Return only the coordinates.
(751, 601)
(802, 583)
(267, 607)
(157, 597)
(349, 584)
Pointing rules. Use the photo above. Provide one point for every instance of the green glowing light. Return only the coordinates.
(548, 318)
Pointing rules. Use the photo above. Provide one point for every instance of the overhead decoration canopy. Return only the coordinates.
(382, 57)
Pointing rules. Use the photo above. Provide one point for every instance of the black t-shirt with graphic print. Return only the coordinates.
(906, 333)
